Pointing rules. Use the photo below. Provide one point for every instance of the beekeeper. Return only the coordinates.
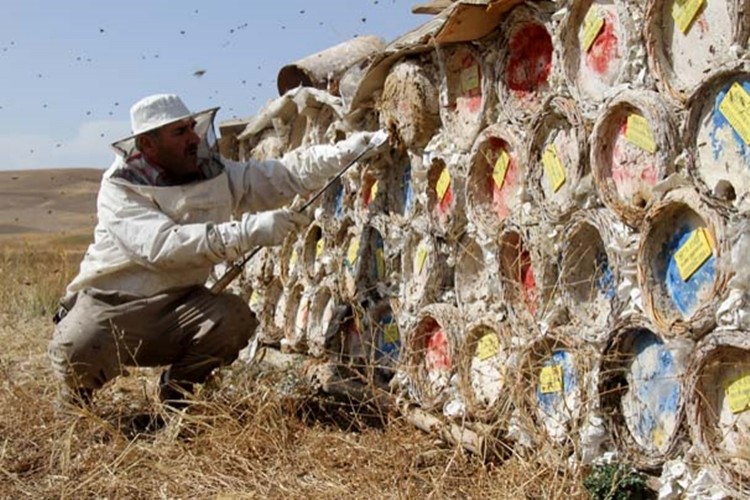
(165, 218)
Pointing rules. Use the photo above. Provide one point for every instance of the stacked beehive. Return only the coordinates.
(547, 241)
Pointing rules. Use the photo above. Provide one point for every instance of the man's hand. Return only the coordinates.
(272, 227)
(360, 142)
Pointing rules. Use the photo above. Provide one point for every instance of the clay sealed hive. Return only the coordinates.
(465, 93)
(495, 183)
(550, 389)
(717, 131)
(679, 263)
(385, 338)
(486, 369)
(717, 406)
(410, 103)
(641, 393)
(632, 148)
(430, 359)
(689, 40)
(445, 198)
(526, 65)
(297, 312)
(559, 178)
(264, 303)
(601, 48)
(424, 271)
(317, 259)
(364, 261)
(323, 308)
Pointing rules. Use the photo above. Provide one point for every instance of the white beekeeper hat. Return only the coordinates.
(158, 110)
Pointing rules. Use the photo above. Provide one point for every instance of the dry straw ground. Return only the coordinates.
(250, 433)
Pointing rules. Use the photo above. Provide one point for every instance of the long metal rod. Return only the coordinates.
(236, 269)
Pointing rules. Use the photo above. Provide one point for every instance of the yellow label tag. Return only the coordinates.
(658, 436)
(736, 109)
(319, 247)
(693, 253)
(738, 394)
(592, 25)
(487, 346)
(374, 190)
(500, 169)
(390, 334)
(551, 379)
(380, 261)
(639, 133)
(553, 168)
(470, 78)
(443, 183)
(254, 298)
(684, 12)
(353, 252)
(421, 257)
(293, 259)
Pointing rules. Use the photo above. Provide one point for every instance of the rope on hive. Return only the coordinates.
(641, 392)
(559, 177)
(716, 34)
(683, 281)
(633, 146)
(602, 49)
(719, 157)
(495, 187)
(717, 403)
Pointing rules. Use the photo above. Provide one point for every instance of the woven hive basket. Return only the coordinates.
(602, 48)
(323, 308)
(486, 368)
(465, 92)
(641, 392)
(289, 258)
(410, 102)
(550, 389)
(384, 336)
(682, 303)
(297, 313)
(476, 277)
(363, 262)
(681, 59)
(264, 305)
(632, 148)
(445, 194)
(432, 350)
(495, 182)
(717, 406)
(720, 157)
(526, 69)
(559, 177)
(317, 259)
(425, 273)
(590, 271)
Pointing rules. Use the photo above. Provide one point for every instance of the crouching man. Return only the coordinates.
(170, 208)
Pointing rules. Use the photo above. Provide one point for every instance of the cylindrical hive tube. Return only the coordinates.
(297, 314)
(641, 392)
(424, 271)
(550, 390)
(317, 260)
(476, 277)
(590, 270)
(290, 259)
(601, 47)
(719, 137)
(717, 404)
(685, 43)
(526, 65)
(268, 299)
(465, 93)
(496, 179)
(679, 263)
(559, 178)
(363, 265)
(632, 148)
(445, 198)
(323, 309)
(431, 354)
(410, 104)
(486, 369)
(385, 338)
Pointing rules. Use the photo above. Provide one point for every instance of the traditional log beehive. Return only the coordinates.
(539, 248)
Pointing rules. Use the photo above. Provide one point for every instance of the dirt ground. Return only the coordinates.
(251, 432)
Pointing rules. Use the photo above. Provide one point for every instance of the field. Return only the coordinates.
(251, 432)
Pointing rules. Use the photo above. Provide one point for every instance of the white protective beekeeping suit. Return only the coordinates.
(149, 239)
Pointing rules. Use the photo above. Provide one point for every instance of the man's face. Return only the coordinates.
(174, 148)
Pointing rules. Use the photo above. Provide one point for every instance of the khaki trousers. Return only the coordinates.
(190, 329)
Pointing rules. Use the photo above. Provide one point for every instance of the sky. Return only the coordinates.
(72, 68)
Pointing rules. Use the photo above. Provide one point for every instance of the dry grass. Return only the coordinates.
(254, 433)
